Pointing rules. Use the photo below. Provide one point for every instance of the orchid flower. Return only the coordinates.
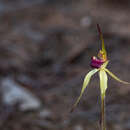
(99, 64)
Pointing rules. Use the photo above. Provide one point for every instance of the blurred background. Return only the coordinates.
(45, 51)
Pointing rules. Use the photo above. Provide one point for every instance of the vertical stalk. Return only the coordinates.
(103, 122)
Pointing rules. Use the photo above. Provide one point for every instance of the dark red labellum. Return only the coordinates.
(96, 63)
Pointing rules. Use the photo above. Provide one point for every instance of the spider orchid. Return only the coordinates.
(99, 64)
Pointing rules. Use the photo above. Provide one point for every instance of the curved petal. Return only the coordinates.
(115, 77)
(103, 82)
(85, 83)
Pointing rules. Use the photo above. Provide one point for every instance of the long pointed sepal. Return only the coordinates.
(103, 81)
(115, 77)
(103, 52)
(85, 83)
(103, 88)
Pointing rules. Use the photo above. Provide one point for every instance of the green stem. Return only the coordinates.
(103, 122)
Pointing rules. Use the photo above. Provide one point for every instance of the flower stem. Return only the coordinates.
(103, 122)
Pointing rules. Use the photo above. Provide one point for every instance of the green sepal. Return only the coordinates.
(85, 83)
(102, 40)
(103, 82)
(115, 77)
(105, 64)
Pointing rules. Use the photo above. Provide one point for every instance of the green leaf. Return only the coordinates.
(85, 83)
(103, 82)
(115, 77)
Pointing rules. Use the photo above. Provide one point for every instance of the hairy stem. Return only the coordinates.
(103, 122)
